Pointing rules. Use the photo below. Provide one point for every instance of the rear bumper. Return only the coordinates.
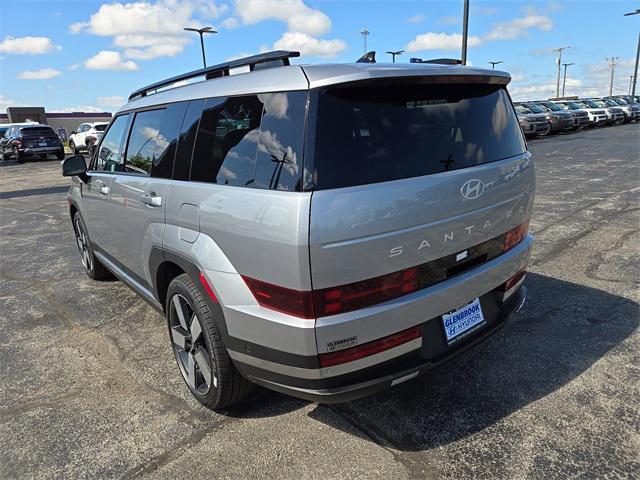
(41, 150)
(407, 368)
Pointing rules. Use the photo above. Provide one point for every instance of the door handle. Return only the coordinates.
(152, 199)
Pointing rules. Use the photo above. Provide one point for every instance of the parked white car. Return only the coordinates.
(86, 136)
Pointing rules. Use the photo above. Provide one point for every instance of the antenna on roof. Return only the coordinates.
(369, 57)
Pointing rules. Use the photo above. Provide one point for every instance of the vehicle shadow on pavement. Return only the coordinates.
(563, 330)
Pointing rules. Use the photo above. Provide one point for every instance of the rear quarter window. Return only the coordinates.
(369, 134)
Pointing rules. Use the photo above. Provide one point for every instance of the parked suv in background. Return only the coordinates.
(532, 124)
(86, 136)
(22, 142)
(597, 116)
(326, 231)
(631, 110)
(560, 121)
(580, 118)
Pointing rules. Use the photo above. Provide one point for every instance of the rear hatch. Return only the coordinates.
(409, 174)
(39, 137)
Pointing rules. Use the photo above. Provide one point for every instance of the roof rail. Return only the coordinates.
(441, 61)
(276, 58)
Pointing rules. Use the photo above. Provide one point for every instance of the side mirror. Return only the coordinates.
(75, 166)
(73, 132)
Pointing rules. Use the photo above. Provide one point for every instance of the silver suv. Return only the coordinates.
(326, 231)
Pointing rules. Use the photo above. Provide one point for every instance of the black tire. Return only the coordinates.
(72, 147)
(60, 155)
(225, 385)
(92, 266)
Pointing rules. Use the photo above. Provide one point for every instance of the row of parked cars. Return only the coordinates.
(19, 141)
(542, 117)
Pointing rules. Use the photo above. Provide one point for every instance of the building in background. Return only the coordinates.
(59, 121)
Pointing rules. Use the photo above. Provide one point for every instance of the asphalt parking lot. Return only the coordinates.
(90, 388)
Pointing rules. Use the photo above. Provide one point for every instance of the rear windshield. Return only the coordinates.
(100, 128)
(370, 134)
(37, 131)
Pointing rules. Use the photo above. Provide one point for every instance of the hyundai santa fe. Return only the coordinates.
(326, 231)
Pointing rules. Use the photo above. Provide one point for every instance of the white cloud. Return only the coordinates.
(452, 20)
(148, 30)
(518, 27)
(230, 23)
(440, 41)
(419, 18)
(42, 74)
(28, 45)
(109, 60)
(7, 102)
(298, 16)
(308, 45)
(79, 108)
(112, 101)
(516, 77)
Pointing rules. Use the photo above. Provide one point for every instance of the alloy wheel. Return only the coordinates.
(83, 245)
(196, 365)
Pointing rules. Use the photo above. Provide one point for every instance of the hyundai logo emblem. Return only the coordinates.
(472, 189)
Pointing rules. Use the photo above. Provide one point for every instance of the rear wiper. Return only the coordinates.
(448, 162)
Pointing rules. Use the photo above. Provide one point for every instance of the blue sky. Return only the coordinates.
(89, 55)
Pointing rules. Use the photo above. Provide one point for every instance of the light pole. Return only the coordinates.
(630, 83)
(365, 33)
(393, 54)
(493, 64)
(465, 31)
(612, 63)
(635, 71)
(564, 80)
(558, 63)
(201, 31)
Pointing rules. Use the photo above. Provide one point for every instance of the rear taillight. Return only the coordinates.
(282, 299)
(353, 296)
(371, 348)
(515, 236)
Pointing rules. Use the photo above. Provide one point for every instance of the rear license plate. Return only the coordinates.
(462, 321)
(42, 144)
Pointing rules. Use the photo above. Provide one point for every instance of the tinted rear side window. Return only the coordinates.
(225, 151)
(100, 128)
(371, 134)
(280, 146)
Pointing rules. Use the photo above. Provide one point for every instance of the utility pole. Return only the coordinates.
(493, 64)
(564, 80)
(558, 63)
(635, 71)
(612, 64)
(630, 83)
(465, 31)
(201, 31)
(365, 33)
(393, 54)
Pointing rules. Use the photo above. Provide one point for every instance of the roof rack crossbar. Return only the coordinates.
(277, 58)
